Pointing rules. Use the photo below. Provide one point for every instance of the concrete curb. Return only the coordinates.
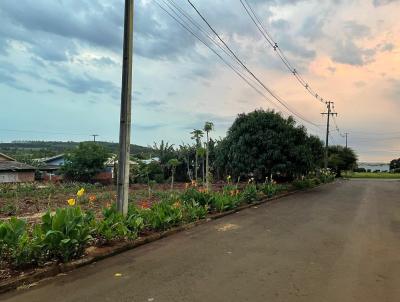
(120, 247)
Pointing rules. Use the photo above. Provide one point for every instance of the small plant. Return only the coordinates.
(162, 215)
(249, 193)
(65, 233)
(10, 208)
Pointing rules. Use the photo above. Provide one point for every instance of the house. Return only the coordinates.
(12, 171)
(50, 169)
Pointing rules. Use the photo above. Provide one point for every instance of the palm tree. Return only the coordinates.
(208, 127)
(173, 163)
(185, 151)
(202, 153)
(197, 134)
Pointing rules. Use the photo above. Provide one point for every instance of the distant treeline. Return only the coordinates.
(41, 149)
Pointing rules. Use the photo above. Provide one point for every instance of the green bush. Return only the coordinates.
(16, 246)
(193, 211)
(115, 226)
(65, 233)
(202, 198)
(162, 215)
(249, 193)
(223, 202)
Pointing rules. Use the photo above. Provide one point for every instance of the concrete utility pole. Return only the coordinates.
(94, 137)
(346, 138)
(329, 113)
(125, 120)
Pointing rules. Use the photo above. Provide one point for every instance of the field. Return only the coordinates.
(31, 200)
(381, 175)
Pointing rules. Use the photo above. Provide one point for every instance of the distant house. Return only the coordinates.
(50, 168)
(12, 171)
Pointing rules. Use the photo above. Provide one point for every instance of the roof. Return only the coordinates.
(53, 158)
(7, 157)
(12, 165)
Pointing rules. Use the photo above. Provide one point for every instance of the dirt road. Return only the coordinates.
(340, 242)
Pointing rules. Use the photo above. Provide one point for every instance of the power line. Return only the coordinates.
(257, 21)
(274, 95)
(249, 80)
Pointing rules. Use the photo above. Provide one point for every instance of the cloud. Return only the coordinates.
(82, 84)
(383, 2)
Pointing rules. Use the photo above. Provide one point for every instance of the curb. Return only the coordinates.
(120, 247)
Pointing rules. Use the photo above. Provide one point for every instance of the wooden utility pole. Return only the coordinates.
(346, 138)
(125, 120)
(328, 114)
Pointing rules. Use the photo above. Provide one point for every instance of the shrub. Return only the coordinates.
(202, 198)
(15, 244)
(65, 233)
(223, 202)
(162, 215)
(115, 226)
(249, 193)
(270, 189)
(193, 211)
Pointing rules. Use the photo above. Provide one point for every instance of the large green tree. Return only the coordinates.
(262, 143)
(84, 162)
(341, 159)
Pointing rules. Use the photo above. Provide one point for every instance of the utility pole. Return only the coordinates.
(94, 137)
(346, 138)
(125, 120)
(329, 106)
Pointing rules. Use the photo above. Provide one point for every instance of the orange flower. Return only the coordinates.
(194, 183)
(108, 205)
(232, 193)
(92, 198)
(145, 205)
(237, 192)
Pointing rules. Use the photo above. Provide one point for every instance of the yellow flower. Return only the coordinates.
(71, 202)
(177, 205)
(80, 192)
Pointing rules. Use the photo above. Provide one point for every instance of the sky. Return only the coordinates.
(60, 69)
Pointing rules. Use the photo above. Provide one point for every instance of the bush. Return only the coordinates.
(202, 198)
(162, 215)
(249, 193)
(65, 233)
(115, 226)
(15, 244)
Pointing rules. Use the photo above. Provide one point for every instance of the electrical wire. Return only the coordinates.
(273, 94)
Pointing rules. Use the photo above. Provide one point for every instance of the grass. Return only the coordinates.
(371, 175)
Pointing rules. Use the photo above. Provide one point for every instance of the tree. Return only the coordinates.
(208, 127)
(84, 162)
(173, 163)
(197, 134)
(201, 152)
(262, 143)
(395, 165)
(341, 159)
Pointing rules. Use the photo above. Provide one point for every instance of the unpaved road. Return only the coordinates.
(340, 242)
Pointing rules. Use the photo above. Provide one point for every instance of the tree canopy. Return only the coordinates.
(262, 143)
(341, 159)
(85, 161)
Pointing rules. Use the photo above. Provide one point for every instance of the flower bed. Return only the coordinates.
(65, 234)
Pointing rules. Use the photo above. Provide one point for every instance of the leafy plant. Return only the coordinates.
(65, 233)
(163, 215)
(115, 226)
(249, 193)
